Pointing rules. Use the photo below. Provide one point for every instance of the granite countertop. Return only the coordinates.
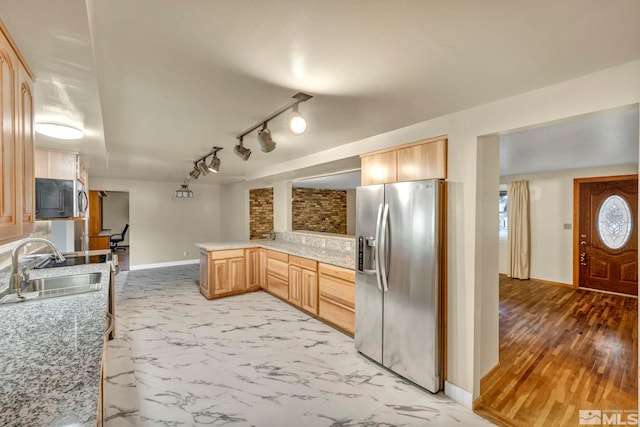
(51, 355)
(343, 259)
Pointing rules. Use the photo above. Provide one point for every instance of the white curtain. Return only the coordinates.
(518, 229)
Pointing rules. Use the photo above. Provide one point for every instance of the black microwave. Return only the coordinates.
(60, 198)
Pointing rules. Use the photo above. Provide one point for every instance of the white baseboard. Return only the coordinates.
(458, 394)
(164, 264)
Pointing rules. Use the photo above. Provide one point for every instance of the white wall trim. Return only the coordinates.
(458, 394)
(164, 264)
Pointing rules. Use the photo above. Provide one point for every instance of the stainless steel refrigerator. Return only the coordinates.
(398, 293)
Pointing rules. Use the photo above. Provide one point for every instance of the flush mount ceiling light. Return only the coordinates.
(295, 123)
(241, 151)
(183, 191)
(59, 130)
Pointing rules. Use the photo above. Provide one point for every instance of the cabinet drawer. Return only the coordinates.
(337, 314)
(309, 264)
(278, 287)
(339, 272)
(278, 268)
(280, 256)
(232, 253)
(338, 290)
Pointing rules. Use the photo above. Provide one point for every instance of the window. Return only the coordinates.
(615, 222)
(502, 215)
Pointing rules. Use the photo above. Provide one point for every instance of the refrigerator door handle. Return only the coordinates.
(382, 247)
(376, 249)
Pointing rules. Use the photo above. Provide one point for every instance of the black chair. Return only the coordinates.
(116, 239)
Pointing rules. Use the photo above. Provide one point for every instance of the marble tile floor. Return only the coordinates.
(247, 360)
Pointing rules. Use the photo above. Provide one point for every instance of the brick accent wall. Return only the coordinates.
(260, 212)
(319, 210)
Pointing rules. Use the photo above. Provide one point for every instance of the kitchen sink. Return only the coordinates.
(56, 286)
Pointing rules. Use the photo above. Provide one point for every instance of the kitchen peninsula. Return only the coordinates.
(311, 271)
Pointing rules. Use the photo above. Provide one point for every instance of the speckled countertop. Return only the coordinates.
(344, 259)
(51, 355)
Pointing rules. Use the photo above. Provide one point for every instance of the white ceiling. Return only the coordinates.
(340, 181)
(170, 79)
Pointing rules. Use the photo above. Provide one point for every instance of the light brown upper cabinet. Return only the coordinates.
(379, 168)
(17, 212)
(26, 142)
(55, 164)
(411, 162)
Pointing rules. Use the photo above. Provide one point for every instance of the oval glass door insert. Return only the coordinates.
(614, 222)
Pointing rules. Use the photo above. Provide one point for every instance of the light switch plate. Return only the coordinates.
(567, 226)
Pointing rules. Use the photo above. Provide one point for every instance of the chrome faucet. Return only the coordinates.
(270, 235)
(17, 276)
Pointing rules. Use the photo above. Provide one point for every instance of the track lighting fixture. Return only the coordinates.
(264, 138)
(200, 167)
(241, 151)
(295, 123)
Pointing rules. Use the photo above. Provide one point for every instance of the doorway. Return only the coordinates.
(561, 349)
(606, 238)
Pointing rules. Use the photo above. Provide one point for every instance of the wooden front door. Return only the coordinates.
(607, 237)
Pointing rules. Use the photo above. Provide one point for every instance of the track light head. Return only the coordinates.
(295, 122)
(266, 141)
(214, 166)
(241, 151)
(202, 167)
(195, 173)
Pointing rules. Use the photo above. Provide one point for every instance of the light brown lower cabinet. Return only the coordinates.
(252, 265)
(310, 291)
(337, 290)
(303, 283)
(322, 290)
(224, 273)
(295, 285)
(278, 287)
(278, 274)
(262, 268)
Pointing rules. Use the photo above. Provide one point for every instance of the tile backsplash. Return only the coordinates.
(41, 229)
(319, 240)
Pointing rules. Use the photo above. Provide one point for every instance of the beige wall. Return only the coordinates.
(551, 199)
(468, 355)
(163, 228)
(486, 321)
(115, 213)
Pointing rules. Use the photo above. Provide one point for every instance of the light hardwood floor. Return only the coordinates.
(123, 259)
(561, 350)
